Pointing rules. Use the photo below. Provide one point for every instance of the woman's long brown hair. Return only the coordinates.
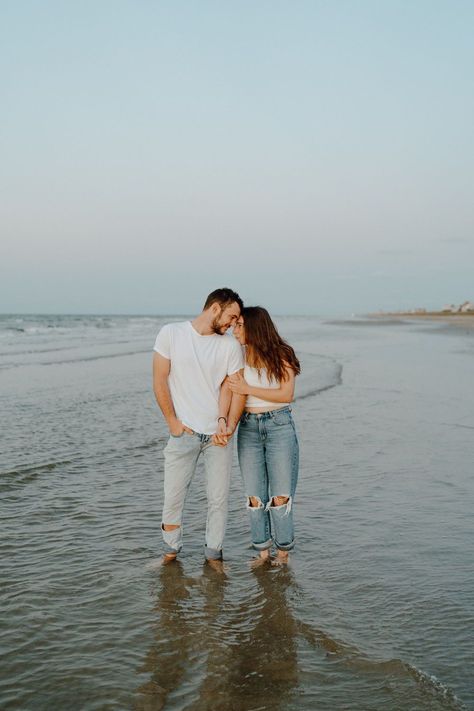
(265, 347)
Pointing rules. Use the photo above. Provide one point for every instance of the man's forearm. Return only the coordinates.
(236, 409)
(225, 397)
(163, 398)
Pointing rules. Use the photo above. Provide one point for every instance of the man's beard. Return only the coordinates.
(218, 328)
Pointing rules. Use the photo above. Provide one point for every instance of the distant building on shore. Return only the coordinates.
(466, 308)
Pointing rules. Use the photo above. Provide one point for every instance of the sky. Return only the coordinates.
(316, 156)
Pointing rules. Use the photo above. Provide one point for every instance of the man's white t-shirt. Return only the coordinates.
(199, 364)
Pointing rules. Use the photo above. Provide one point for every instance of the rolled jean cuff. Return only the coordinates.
(169, 549)
(212, 553)
(263, 546)
(285, 546)
(172, 537)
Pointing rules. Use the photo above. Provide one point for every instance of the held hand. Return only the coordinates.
(237, 384)
(223, 434)
(219, 440)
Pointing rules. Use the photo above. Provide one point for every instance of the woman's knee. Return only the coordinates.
(280, 500)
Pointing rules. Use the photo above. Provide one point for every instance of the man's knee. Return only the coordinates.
(169, 526)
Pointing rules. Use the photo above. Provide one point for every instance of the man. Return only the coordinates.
(191, 361)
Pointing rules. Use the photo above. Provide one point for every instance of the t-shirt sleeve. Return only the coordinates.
(163, 342)
(236, 359)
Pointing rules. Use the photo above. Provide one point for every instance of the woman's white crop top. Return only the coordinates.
(252, 378)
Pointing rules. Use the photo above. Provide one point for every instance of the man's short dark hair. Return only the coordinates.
(224, 297)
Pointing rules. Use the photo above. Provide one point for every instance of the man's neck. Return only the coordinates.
(202, 325)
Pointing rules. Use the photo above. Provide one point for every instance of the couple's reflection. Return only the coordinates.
(219, 651)
(169, 656)
(262, 660)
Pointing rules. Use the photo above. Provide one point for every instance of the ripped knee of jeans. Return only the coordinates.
(280, 502)
(254, 502)
(169, 526)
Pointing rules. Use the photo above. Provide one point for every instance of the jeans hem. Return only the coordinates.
(285, 546)
(262, 546)
(212, 553)
(170, 549)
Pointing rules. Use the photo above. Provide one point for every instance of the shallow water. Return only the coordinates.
(376, 608)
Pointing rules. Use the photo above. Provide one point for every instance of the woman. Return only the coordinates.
(267, 443)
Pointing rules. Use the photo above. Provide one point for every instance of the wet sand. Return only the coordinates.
(375, 609)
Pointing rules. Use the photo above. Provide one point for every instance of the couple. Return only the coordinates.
(206, 382)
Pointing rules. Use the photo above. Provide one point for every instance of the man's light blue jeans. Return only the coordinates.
(181, 457)
(269, 458)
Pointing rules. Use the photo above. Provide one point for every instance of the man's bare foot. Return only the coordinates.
(281, 558)
(263, 557)
(168, 558)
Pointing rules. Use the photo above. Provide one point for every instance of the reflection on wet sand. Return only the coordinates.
(170, 655)
(221, 656)
(252, 656)
(243, 651)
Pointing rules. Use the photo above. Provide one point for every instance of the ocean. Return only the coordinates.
(375, 610)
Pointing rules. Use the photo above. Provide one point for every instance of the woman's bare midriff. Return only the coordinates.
(258, 410)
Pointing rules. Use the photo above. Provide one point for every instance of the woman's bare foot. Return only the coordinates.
(281, 558)
(263, 557)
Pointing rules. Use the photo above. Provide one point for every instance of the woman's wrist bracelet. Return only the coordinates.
(222, 418)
